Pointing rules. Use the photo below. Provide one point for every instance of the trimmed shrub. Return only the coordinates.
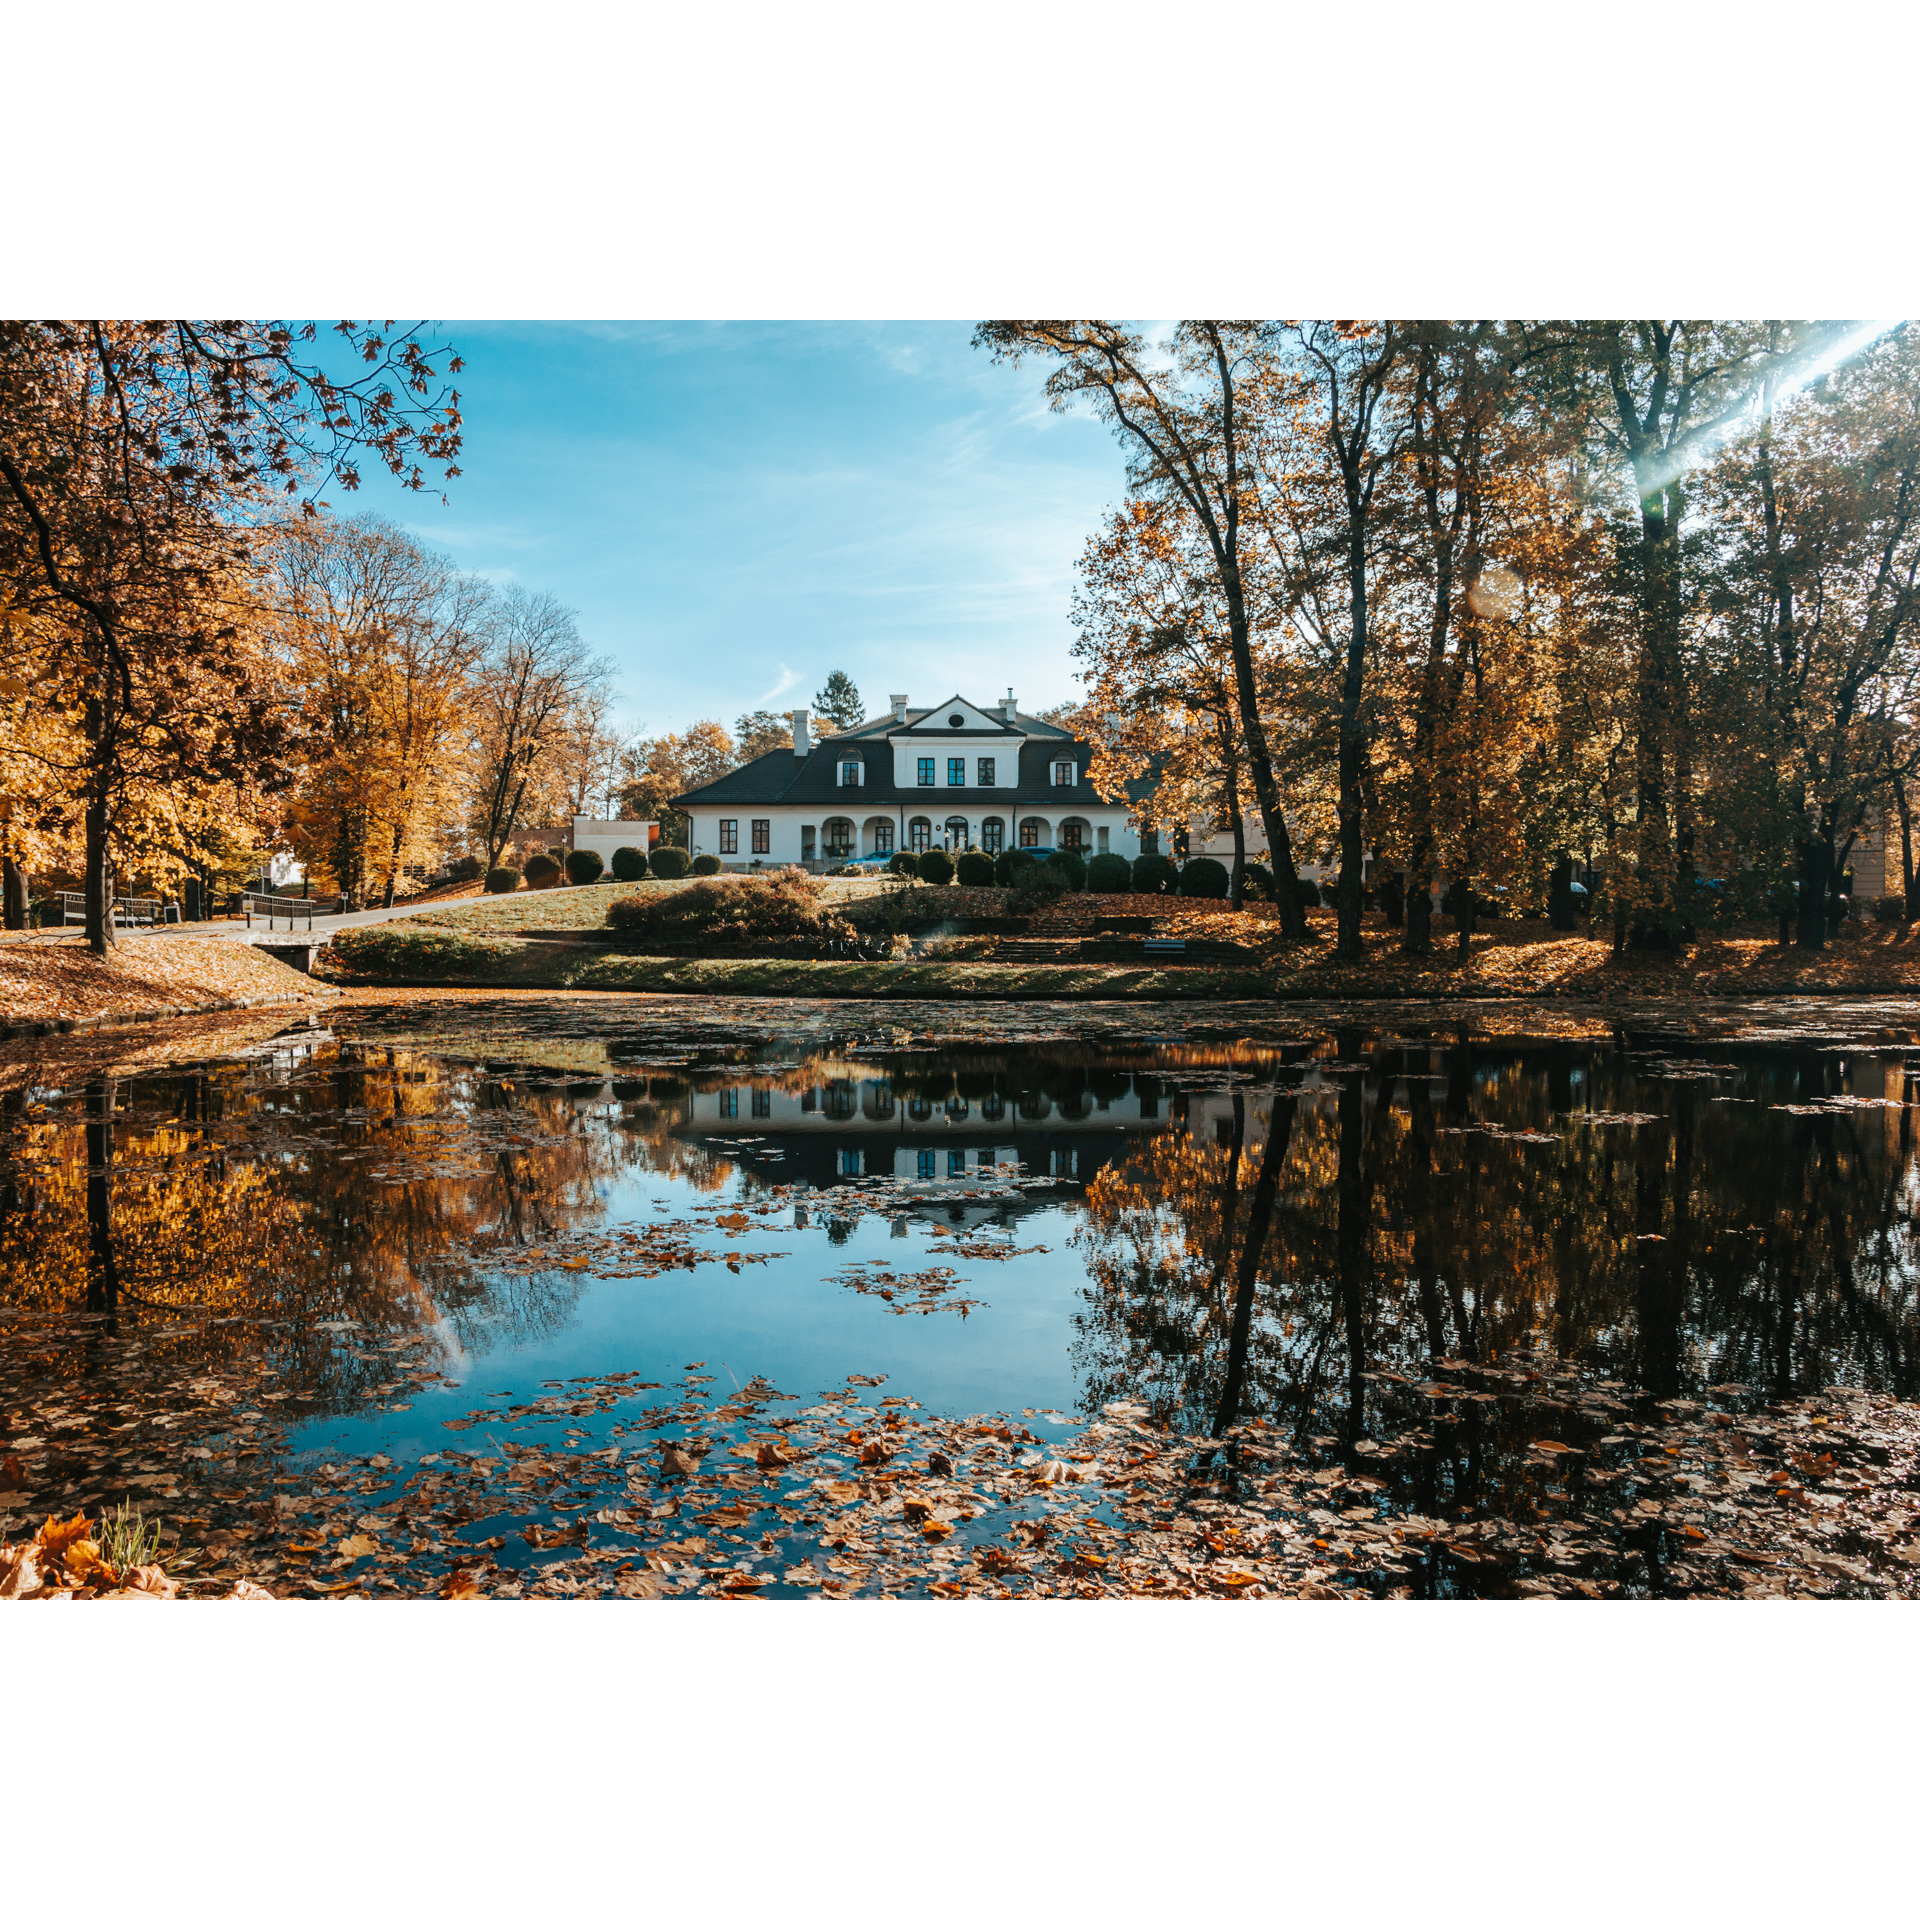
(1154, 873)
(1012, 861)
(904, 862)
(1070, 867)
(1204, 879)
(706, 863)
(784, 906)
(1309, 894)
(629, 863)
(974, 869)
(936, 866)
(1034, 886)
(1109, 873)
(503, 880)
(669, 863)
(1890, 910)
(542, 870)
(1258, 883)
(584, 866)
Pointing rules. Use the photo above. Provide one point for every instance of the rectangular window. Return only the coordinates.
(1063, 773)
(927, 1164)
(849, 1161)
(985, 778)
(762, 836)
(850, 773)
(883, 836)
(729, 836)
(762, 1104)
(926, 772)
(956, 1163)
(1149, 840)
(957, 771)
(984, 1157)
(730, 1104)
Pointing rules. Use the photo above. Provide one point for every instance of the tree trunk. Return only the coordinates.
(1906, 845)
(1247, 1272)
(15, 890)
(1353, 745)
(1816, 876)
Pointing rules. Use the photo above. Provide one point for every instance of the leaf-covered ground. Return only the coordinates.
(617, 1487)
(47, 977)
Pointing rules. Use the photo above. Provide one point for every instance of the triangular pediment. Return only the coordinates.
(940, 720)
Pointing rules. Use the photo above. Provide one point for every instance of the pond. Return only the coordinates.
(1400, 1261)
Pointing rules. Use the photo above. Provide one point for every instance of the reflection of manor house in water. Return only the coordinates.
(952, 776)
(844, 1128)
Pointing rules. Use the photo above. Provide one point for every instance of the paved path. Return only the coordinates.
(324, 925)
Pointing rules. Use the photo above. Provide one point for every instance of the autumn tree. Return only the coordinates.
(381, 640)
(533, 674)
(658, 770)
(762, 732)
(1183, 426)
(135, 459)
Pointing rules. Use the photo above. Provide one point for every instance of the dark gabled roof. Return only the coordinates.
(784, 777)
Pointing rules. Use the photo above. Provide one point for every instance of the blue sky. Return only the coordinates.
(734, 509)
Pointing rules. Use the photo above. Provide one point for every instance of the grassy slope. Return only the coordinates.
(1518, 961)
(574, 909)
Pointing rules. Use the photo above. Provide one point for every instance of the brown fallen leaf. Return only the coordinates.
(248, 1590)
(1553, 1446)
(461, 1585)
(55, 1535)
(19, 1571)
(676, 1465)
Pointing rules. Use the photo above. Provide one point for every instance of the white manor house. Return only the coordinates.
(953, 776)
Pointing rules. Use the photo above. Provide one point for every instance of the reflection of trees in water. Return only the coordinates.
(248, 1203)
(1718, 1241)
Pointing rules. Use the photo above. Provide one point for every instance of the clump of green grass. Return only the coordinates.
(127, 1541)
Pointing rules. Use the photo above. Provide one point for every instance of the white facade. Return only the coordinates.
(957, 776)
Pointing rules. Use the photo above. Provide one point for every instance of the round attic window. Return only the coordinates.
(956, 719)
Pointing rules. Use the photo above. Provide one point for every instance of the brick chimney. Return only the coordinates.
(801, 719)
(898, 702)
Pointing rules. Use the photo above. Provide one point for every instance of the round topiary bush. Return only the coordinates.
(706, 863)
(1039, 883)
(1309, 893)
(1013, 861)
(1109, 873)
(503, 880)
(669, 863)
(629, 863)
(1258, 883)
(584, 866)
(936, 866)
(974, 869)
(1154, 873)
(542, 870)
(907, 863)
(1203, 879)
(1070, 867)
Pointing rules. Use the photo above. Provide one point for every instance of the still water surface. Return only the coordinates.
(1294, 1225)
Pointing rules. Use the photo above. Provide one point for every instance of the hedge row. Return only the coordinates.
(1065, 872)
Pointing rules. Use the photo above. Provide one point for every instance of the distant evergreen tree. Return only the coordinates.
(838, 704)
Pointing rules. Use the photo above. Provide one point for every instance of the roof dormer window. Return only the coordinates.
(1064, 773)
(850, 766)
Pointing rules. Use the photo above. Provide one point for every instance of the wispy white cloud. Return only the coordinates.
(788, 679)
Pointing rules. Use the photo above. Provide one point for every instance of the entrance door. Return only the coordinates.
(806, 843)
